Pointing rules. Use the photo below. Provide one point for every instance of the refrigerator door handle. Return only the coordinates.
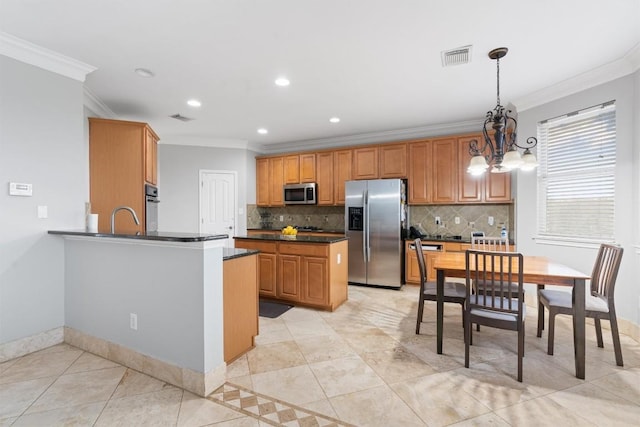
(366, 221)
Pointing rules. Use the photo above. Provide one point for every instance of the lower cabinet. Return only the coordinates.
(313, 274)
(411, 269)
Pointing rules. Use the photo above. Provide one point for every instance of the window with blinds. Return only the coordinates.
(576, 176)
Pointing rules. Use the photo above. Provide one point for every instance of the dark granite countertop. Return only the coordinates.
(231, 253)
(300, 230)
(299, 238)
(165, 236)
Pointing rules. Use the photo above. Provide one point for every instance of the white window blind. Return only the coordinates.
(576, 177)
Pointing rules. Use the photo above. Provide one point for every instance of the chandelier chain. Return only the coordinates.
(498, 80)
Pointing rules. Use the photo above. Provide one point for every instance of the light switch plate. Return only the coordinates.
(43, 212)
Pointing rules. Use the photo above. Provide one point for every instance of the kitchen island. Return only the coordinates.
(306, 270)
(149, 301)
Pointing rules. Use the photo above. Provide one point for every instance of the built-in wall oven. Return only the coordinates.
(151, 207)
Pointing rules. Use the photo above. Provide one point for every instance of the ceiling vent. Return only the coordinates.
(181, 117)
(457, 56)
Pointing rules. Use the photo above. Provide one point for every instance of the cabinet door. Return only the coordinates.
(342, 169)
(150, 157)
(470, 187)
(430, 258)
(315, 281)
(393, 161)
(291, 170)
(444, 166)
(365, 163)
(497, 187)
(308, 167)
(262, 182)
(419, 172)
(267, 274)
(324, 161)
(288, 284)
(276, 180)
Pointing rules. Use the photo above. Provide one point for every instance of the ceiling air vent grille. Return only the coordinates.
(460, 55)
(181, 117)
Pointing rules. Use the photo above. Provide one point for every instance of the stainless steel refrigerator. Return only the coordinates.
(375, 213)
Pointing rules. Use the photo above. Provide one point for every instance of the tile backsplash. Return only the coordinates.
(471, 218)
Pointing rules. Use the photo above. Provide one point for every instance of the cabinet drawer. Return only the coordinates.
(456, 247)
(303, 249)
(269, 247)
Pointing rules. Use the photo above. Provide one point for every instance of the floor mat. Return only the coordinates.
(272, 309)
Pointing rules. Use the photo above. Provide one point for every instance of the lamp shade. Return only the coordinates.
(529, 161)
(477, 165)
(512, 159)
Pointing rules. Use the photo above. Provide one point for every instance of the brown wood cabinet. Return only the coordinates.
(444, 171)
(307, 167)
(412, 271)
(291, 171)
(342, 160)
(263, 186)
(419, 183)
(393, 161)
(488, 187)
(276, 180)
(122, 158)
(325, 190)
(240, 305)
(365, 163)
(313, 274)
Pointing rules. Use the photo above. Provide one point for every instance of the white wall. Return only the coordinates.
(178, 182)
(625, 92)
(41, 143)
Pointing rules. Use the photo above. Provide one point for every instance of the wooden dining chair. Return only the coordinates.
(599, 304)
(495, 275)
(453, 292)
(483, 243)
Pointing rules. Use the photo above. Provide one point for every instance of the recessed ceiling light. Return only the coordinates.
(334, 119)
(263, 131)
(194, 103)
(143, 72)
(282, 81)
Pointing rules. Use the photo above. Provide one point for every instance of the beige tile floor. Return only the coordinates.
(360, 365)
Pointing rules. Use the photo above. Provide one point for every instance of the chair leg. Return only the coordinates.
(420, 310)
(596, 322)
(552, 327)
(540, 319)
(615, 336)
(467, 341)
(520, 350)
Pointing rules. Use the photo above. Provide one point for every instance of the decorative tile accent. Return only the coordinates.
(269, 410)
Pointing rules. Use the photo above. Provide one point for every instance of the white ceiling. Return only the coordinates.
(374, 63)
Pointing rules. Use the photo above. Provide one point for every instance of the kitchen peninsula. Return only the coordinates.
(305, 270)
(150, 301)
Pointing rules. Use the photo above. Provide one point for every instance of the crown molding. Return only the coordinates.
(29, 53)
(373, 137)
(626, 65)
(198, 141)
(95, 104)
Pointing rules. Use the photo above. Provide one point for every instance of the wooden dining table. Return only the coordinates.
(537, 270)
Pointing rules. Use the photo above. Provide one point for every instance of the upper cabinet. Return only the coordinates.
(307, 167)
(325, 191)
(393, 161)
(436, 172)
(122, 159)
(365, 163)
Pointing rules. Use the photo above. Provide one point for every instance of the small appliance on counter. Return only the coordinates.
(151, 207)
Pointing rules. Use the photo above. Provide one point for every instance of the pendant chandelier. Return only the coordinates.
(501, 152)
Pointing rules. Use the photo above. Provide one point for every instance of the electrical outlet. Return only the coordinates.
(490, 220)
(457, 220)
(133, 321)
(281, 218)
(472, 224)
(326, 218)
(438, 220)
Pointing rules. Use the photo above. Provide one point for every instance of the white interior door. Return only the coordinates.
(218, 203)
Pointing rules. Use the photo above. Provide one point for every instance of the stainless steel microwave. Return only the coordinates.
(300, 194)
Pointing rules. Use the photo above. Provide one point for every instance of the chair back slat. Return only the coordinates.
(495, 275)
(605, 270)
(483, 243)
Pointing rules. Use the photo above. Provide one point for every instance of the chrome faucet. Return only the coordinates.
(113, 216)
